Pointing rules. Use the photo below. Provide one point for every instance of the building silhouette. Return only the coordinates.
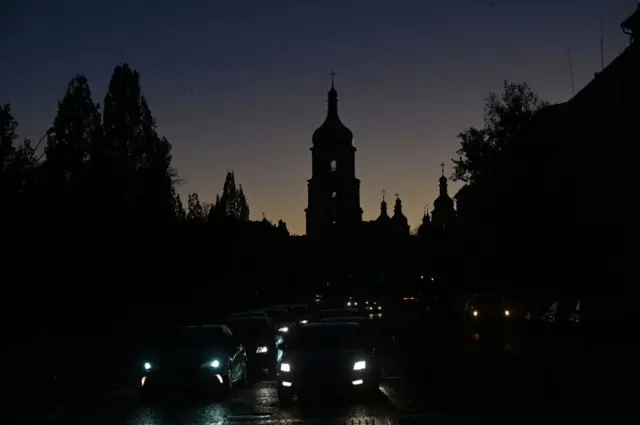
(444, 212)
(338, 240)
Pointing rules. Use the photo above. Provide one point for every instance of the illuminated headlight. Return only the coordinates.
(304, 322)
(349, 304)
(475, 313)
(355, 304)
(379, 307)
(147, 366)
(262, 349)
(285, 367)
(283, 329)
(212, 364)
(506, 313)
(361, 365)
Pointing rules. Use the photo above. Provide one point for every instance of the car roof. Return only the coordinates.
(338, 309)
(288, 305)
(249, 319)
(222, 328)
(330, 325)
(342, 319)
(248, 313)
(211, 327)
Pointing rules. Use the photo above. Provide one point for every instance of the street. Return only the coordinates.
(439, 379)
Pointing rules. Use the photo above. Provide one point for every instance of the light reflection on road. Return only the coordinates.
(256, 405)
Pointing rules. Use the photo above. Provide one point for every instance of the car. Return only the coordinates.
(379, 338)
(194, 358)
(334, 312)
(300, 311)
(255, 313)
(258, 336)
(329, 358)
(283, 318)
(487, 308)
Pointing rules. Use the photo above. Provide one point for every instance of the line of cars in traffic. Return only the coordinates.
(303, 350)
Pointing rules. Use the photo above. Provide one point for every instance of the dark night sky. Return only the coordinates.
(241, 84)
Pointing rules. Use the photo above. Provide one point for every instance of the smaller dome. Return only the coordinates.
(443, 180)
(443, 203)
(332, 129)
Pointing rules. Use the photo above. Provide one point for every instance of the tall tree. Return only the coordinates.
(195, 212)
(142, 179)
(17, 166)
(76, 131)
(120, 156)
(233, 202)
(482, 150)
(489, 165)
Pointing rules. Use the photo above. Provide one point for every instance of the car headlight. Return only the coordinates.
(348, 303)
(262, 349)
(304, 321)
(147, 366)
(475, 313)
(506, 313)
(379, 307)
(361, 365)
(284, 329)
(285, 367)
(211, 364)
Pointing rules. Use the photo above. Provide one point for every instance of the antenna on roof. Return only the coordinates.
(573, 87)
(601, 42)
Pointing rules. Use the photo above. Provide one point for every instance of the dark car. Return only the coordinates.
(283, 318)
(328, 358)
(258, 336)
(334, 312)
(199, 358)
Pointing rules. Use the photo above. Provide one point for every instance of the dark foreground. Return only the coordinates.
(440, 376)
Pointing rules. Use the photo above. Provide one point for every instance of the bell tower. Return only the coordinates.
(333, 190)
(333, 214)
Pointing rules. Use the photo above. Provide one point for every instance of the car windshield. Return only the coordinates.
(279, 314)
(192, 338)
(339, 336)
(251, 327)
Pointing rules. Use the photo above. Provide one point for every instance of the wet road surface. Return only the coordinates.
(437, 384)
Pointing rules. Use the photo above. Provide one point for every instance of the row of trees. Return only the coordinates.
(102, 165)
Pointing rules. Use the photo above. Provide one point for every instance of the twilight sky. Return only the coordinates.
(242, 84)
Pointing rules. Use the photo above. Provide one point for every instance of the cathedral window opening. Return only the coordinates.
(334, 194)
(334, 165)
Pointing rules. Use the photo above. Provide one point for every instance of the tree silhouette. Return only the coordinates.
(232, 203)
(490, 163)
(482, 150)
(195, 212)
(17, 168)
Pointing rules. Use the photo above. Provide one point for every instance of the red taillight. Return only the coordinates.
(407, 299)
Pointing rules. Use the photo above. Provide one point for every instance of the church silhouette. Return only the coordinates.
(337, 237)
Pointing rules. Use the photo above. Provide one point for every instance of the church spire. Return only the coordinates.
(443, 182)
(383, 205)
(332, 101)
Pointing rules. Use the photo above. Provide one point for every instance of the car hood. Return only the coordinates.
(325, 358)
(187, 357)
